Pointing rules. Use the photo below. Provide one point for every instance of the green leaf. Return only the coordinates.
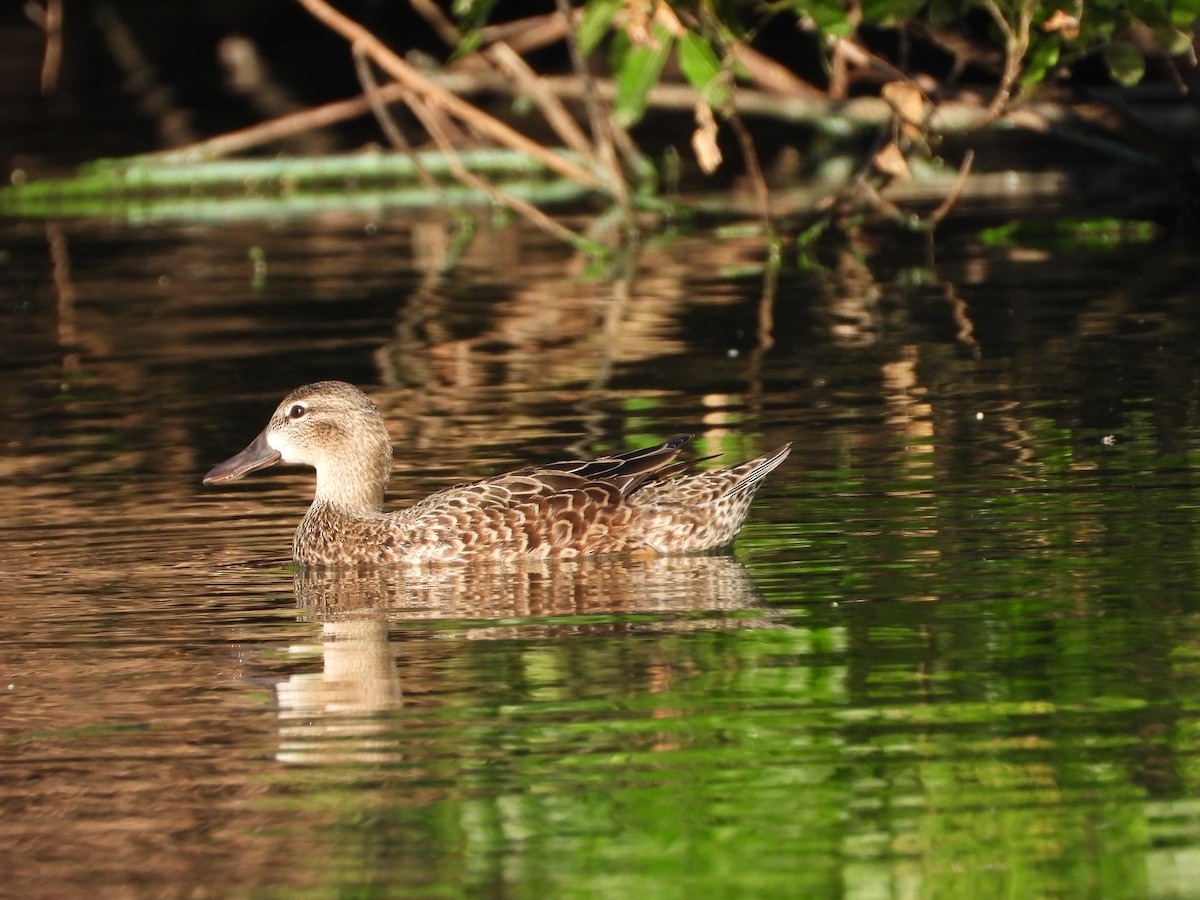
(472, 14)
(639, 71)
(1174, 41)
(702, 69)
(831, 18)
(1152, 14)
(1042, 57)
(596, 21)
(1184, 13)
(471, 41)
(1125, 63)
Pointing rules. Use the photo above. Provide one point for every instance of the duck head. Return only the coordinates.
(333, 427)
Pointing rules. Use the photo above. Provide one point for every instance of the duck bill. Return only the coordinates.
(257, 456)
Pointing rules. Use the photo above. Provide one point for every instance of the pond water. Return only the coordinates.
(956, 652)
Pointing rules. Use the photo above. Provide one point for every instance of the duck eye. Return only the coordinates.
(297, 410)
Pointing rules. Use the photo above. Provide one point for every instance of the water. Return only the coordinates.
(957, 652)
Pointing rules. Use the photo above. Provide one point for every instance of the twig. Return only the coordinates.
(662, 96)
(1016, 45)
(555, 112)
(433, 94)
(446, 30)
(770, 74)
(52, 21)
(520, 36)
(935, 217)
(754, 170)
(431, 120)
(599, 122)
(285, 126)
(839, 78)
(860, 111)
(141, 79)
(766, 310)
(884, 206)
(528, 34)
(853, 53)
(390, 129)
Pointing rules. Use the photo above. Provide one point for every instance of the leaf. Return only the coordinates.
(890, 161)
(908, 102)
(830, 18)
(595, 23)
(1184, 13)
(1042, 57)
(1125, 63)
(702, 68)
(472, 14)
(704, 139)
(639, 71)
(1173, 41)
(1063, 22)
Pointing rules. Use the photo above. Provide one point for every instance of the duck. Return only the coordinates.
(642, 502)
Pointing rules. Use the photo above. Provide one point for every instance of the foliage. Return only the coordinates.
(1042, 40)
(1059, 34)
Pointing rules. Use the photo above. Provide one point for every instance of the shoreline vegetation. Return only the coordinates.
(888, 129)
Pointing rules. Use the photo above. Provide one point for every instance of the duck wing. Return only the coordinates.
(625, 471)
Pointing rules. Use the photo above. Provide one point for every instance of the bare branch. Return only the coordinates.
(431, 120)
(599, 121)
(446, 30)
(52, 21)
(754, 171)
(433, 94)
(935, 218)
(1016, 45)
(552, 107)
(392, 131)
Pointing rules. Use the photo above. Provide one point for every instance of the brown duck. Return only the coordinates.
(636, 502)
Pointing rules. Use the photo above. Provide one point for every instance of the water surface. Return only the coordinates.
(955, 654)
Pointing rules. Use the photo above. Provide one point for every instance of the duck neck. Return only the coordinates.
(353, 488)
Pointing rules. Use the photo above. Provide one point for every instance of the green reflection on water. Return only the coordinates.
(754, 763)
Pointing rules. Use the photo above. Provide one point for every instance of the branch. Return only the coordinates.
(1016, 45)
(433, 94)
(598, 119)
(52, 21)
(553, 109)
(446, 30)
(935, 217)
(393, 132)
(431, 119)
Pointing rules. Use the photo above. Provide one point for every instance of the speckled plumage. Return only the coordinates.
(636, 502)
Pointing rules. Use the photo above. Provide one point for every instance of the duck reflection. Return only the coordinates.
(342, 712)
(319, 710)
(532, 589)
